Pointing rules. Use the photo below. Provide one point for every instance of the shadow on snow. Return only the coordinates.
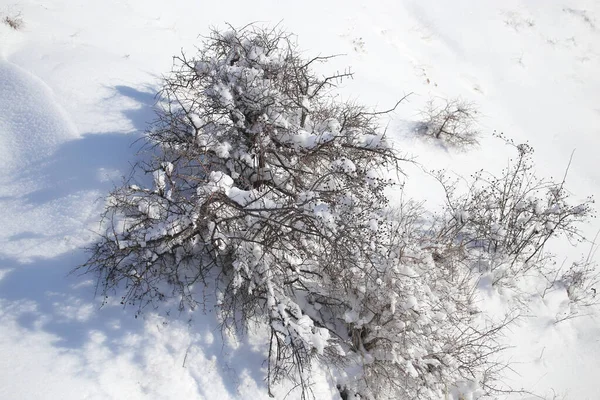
(65, 304)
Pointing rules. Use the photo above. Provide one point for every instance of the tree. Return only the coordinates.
(268, 194)
(263, 183)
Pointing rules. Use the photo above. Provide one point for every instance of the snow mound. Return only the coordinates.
(32, 125)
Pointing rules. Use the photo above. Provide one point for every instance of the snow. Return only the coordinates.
(344, 165)
(77, 86)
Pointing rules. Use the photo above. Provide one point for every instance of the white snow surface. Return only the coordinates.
(77, 82)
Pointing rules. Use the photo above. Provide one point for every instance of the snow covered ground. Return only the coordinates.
(77, 82)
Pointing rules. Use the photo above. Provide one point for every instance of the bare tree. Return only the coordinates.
(266, 188)
(268, 196)
(450, 121)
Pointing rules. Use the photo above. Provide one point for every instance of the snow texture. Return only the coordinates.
(78, 80)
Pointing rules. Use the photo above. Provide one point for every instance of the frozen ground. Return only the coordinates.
(76, 87)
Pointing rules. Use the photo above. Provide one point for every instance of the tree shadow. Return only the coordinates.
(416, 132)
(67, 299)
(45, 296)
(144, 115)
(42, 294)
(96, 160)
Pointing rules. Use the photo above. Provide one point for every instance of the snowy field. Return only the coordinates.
(77, 85)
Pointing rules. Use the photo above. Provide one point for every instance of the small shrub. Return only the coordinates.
(15, 21)
(581, 282)
(505, 221)
(452, 122)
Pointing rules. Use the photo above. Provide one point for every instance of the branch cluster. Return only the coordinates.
(268, 194)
